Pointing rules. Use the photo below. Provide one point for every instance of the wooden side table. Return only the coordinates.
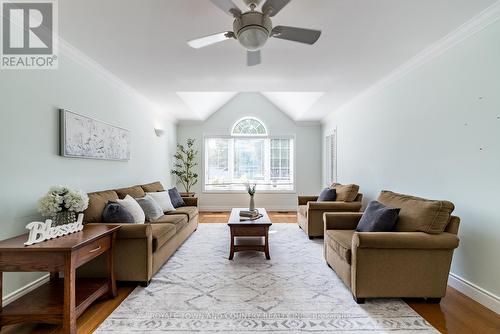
(61, 300)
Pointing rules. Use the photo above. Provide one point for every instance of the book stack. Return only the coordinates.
(249, 215)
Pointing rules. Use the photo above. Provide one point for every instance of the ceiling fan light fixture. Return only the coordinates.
(254, 27)
(253, 38)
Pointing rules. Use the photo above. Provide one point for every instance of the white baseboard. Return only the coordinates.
(474, 292)
(24, 290)
(228, 208)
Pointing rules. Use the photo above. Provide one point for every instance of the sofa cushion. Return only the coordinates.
(327, 195)
(302, 210)
(189, 211)
(97, 203)
(152, 187)
(418, 214)
(152, 210)
(345, 192)
(378, 218)
(134, 192)
(163, 199)
(340, 241)
(115, 213)
(179, 221)
(131, 205)
(161, 234)
(176, 198)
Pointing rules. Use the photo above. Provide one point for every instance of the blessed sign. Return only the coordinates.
(40, 231)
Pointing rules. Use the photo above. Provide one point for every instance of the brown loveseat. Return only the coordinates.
(413, 261)
(141, 249)
(310, 211)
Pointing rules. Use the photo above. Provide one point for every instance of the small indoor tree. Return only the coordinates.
(185, 162)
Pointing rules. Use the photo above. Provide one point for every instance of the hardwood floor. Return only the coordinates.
(456, 314)
(222, 217)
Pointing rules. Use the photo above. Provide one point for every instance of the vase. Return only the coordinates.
(63, 218)
(251, 207)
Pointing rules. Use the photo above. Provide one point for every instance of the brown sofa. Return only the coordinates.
(310, 211)
(141, 249)
(413, 261)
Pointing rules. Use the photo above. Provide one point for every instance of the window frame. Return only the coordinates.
(293, 164)
(266, 134)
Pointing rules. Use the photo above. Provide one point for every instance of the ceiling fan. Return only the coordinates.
(254, 27)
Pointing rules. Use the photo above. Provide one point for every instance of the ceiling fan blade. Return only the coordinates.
(301, 35)
(273, 7)
(253, 58)
(209, 40)
(227, 6)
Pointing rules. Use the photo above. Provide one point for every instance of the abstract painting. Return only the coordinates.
(84, 137)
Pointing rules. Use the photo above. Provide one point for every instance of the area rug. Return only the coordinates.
(200, 291)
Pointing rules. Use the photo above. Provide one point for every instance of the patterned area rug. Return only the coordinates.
(200, 291)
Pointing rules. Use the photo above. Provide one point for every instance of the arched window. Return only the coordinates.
(249, 126)
(250, 155)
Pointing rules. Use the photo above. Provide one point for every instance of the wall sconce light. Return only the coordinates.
(159, 132)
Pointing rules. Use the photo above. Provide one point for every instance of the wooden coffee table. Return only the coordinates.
(253, 231)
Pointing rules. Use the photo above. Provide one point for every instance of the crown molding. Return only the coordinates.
(190, 122)
(478, 23)
(77, 56)
(308, 123)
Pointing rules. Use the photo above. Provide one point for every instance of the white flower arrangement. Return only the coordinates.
(62, 198)
(251, 188)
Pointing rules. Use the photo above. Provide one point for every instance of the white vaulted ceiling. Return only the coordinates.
(295, 104)
(144, 44)
(204, 104)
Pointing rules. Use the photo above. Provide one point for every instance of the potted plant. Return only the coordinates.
(61, 203)
(185, 162)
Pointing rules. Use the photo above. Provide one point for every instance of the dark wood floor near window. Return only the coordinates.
(457, 314)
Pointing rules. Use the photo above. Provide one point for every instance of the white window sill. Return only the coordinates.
(210, 189)
(244, 192)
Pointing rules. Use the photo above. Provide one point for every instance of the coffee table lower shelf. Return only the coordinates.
(45, 304)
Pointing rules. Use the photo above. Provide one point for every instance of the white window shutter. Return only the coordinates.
(331, 158)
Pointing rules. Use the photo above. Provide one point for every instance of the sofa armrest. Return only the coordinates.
(190, 201)
(404, 240)
(304, 199)
(341, 220)
(132, 231)
(335, 206)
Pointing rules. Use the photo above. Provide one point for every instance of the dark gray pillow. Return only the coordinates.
(327, 195)
(378, 218)
(152, 210)
(115, 213)
(175, 198)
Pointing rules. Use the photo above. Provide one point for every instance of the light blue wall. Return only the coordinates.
(29, 134)
(308, 150)
(436, 133)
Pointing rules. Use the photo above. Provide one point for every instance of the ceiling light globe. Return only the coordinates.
(253, 38)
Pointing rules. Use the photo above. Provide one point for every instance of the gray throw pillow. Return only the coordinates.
(114, 213)
(176, 198)
(378, 218)
(327, 195)
(152, 210)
